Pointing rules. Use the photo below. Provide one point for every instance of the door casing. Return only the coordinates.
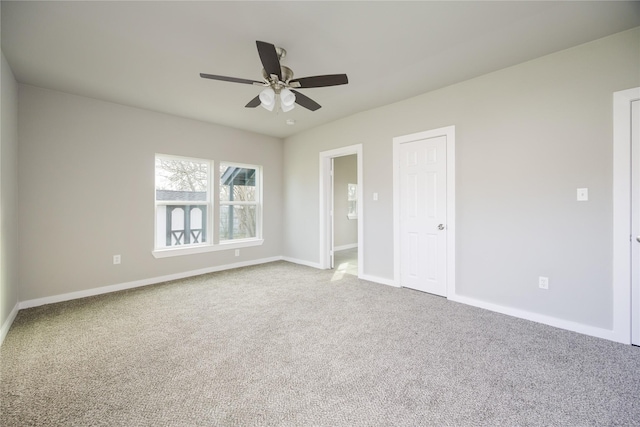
(621, 331)
(326, 198)
(449, 133)
(635, 223)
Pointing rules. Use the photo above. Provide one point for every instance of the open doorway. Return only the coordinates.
(345, 214)
(341, 210)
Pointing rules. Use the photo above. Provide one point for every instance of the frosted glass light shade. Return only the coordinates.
(287, 98)
(286, 108)
(268, 98)
(269, 106)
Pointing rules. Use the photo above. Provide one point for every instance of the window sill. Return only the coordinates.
(225, 246)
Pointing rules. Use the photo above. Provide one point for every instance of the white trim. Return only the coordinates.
(621, 213)
(539, 318)
(345, 247)
(302, 262)
(368, 278)
(138, 283)
(380, 280)
(449, 132)
(7, 324)
(324, 194)
(190, 250)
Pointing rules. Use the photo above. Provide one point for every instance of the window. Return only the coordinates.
(190, 219)
(239, 201)
(183, 201)
(352, 201)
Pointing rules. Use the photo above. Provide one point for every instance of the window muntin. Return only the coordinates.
(239, 198)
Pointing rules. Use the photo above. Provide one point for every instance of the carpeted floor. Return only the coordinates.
(282, 344)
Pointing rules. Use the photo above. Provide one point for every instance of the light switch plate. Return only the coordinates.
(543, 282)
(583, 194)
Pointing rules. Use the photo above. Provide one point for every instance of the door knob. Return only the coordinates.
(441, 227)
(638, 239)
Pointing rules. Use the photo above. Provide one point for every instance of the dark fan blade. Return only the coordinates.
(269, 58)
(230, 79)
(254, 102)
(320, 81)
(305, 101)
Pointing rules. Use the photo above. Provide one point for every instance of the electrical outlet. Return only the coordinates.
(543, 282)
(237, 252)
(116, 259)
(582, 194)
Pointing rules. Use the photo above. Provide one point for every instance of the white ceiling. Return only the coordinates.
(149, 54)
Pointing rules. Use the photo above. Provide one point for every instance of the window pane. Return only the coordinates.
(182, 180)
(237, 184)
(179, 225)
(182, 187)
(237, 222)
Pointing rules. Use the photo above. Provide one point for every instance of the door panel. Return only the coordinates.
(422, 209)
(413, 255)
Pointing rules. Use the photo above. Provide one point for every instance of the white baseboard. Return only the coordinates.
(522, 314)
(540, 318)
(302, 262)
(375, 279)
(137, 283)
(381, 280)
(345, 247)
(7, 324)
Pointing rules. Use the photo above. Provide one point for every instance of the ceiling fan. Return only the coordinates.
(279, 82)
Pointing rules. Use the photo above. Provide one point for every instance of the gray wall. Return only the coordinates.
(526, 138)
(8, 192)
(86, 185)
(345, 171)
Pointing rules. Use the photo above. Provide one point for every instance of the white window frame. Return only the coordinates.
(257, 203)
(213, 204)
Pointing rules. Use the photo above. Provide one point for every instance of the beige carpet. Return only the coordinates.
(281, 344)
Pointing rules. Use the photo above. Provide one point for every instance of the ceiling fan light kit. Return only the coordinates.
(269, 95)
(268, 98)
(278, 82)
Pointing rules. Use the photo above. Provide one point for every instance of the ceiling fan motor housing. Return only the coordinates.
(287, 74)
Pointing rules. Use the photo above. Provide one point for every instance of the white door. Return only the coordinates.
(635, 222)
(423, 211)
